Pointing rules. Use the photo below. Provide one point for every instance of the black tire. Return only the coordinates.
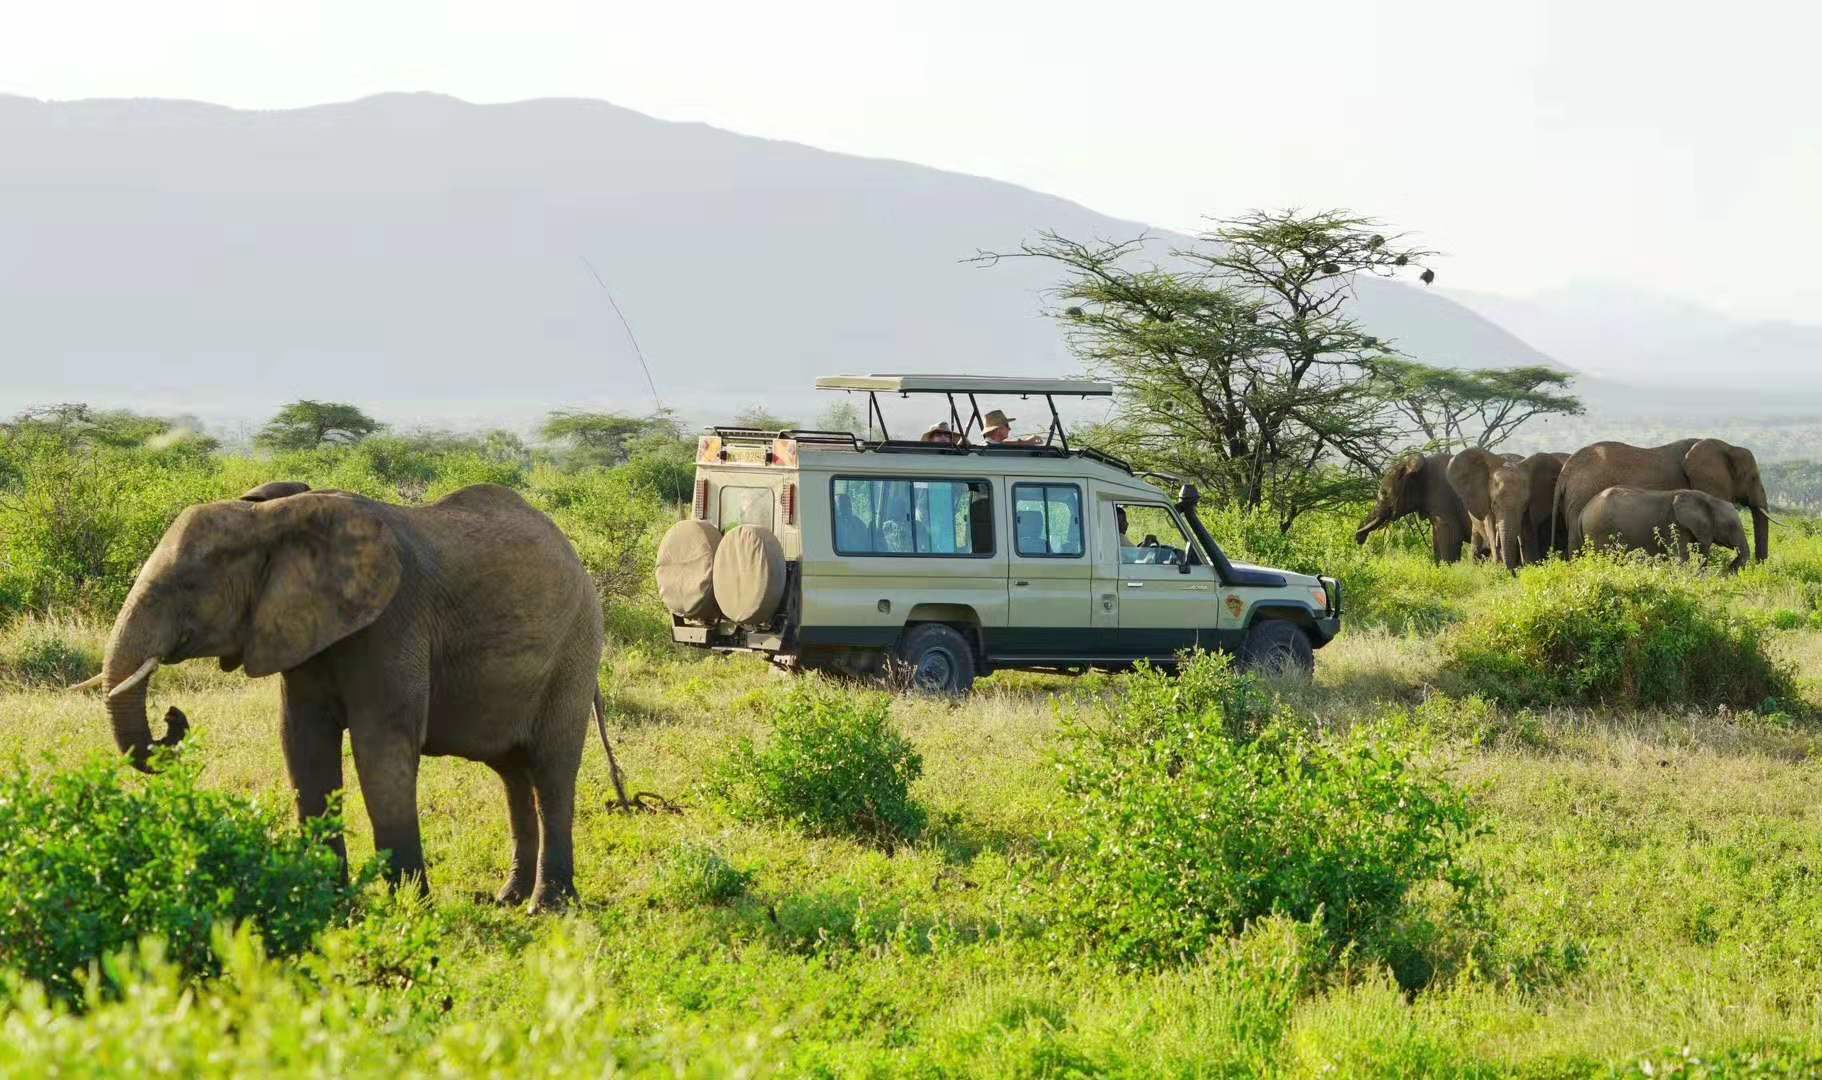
(936, 659)
(1277, 647)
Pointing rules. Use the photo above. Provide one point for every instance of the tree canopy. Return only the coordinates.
(1452, 407)
(80, 424)
(306, 425)
(762, 419)
(1236, 362)
(611, 438)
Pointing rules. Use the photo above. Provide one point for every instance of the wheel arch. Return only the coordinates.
(962, 617)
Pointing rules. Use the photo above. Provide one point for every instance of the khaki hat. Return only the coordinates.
(939, 428)
(995, 419)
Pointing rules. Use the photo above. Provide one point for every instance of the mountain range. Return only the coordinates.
(424, 257)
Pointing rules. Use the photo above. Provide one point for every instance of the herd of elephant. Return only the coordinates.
(1663, 499)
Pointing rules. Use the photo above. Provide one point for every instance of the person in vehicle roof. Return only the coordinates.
(940, 434)
(997, 430)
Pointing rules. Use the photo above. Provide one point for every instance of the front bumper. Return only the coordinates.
(1328, 624)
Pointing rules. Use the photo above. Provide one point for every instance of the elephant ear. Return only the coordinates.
(332, 568)
(1713, 466)
(277, 489)
(1469, 473)
(1695, 514)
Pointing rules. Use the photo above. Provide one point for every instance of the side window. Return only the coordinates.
(884, 516)
(1048, 520)
(1151, 535)
(745, 506)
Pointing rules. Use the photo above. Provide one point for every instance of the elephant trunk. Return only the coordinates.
(1381, 514)
(1761, 522)
(1508, 546)
(134, 652)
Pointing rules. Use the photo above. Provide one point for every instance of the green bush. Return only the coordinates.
(1189, 833)
(47, 654)
(97, 858)
(834, 765)
(692, 874)
(1616, 631)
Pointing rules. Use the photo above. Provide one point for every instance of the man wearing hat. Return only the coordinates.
(940, 434)
(996, 428)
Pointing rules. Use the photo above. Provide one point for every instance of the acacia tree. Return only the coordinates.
(1237, 365)
(610, 438)
(1452, 407)
(306, 425)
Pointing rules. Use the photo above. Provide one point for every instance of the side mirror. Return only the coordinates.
(1183, 566)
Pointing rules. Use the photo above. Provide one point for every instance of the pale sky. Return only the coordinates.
(1669, 146)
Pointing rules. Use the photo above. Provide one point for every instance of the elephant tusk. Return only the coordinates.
(88, 684)
(136, 678)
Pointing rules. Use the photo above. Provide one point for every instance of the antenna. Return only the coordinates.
(628, 327)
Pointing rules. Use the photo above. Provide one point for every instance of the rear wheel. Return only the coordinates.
(937, 659)
(1275, 647)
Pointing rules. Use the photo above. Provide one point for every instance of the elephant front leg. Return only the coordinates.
(386, 751)
(310, 730)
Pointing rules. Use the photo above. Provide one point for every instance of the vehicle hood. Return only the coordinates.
(1291, 577)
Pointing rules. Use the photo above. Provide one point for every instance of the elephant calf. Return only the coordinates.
(466, 628)
(1664, 521)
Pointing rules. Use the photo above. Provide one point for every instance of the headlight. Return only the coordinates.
(1320, 597)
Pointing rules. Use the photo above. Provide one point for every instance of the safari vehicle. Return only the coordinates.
(829, 550)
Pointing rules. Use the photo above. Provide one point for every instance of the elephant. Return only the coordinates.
(1707, 465)
(1641, 520)
(466, 628)
(1497, 520)
(1419, 484)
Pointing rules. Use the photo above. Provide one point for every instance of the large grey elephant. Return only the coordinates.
(466, 628)
(1664, 521)
(1709, 465)
(1419, 484)
(1496, 496)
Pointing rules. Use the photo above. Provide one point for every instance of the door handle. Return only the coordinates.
(1135, 584)
(1021, 583)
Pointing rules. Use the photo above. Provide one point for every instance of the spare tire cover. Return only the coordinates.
(749, 574)
(686, 561)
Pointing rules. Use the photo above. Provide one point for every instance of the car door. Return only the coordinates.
(1167, 592)
(1050, 570)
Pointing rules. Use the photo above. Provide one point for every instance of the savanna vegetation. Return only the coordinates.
(1556, 825)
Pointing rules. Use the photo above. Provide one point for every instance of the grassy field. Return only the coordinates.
(1653, 899)
(1648, 894)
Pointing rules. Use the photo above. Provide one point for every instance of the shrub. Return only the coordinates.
(834, 765)
(41, 653)
(96, 858)
(1189, 833)
(692, 874)
(1617, 631)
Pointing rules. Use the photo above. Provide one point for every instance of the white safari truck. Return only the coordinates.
(826, 549)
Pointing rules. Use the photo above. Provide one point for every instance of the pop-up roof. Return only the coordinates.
(964, 384)
(970, 387)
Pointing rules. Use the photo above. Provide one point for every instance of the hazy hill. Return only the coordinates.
(419, 255)
(1674, 349)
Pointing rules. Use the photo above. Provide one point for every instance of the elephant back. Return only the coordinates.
(686, 567)
(749, 574)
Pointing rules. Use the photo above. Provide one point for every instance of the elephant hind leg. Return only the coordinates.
(522, 809)
(554, 763)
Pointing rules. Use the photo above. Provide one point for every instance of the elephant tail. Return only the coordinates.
(642, 800)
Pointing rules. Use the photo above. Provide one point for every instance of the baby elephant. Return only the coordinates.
(1664, 521)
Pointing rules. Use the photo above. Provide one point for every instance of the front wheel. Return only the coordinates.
(1276, 647)
(937, 659)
